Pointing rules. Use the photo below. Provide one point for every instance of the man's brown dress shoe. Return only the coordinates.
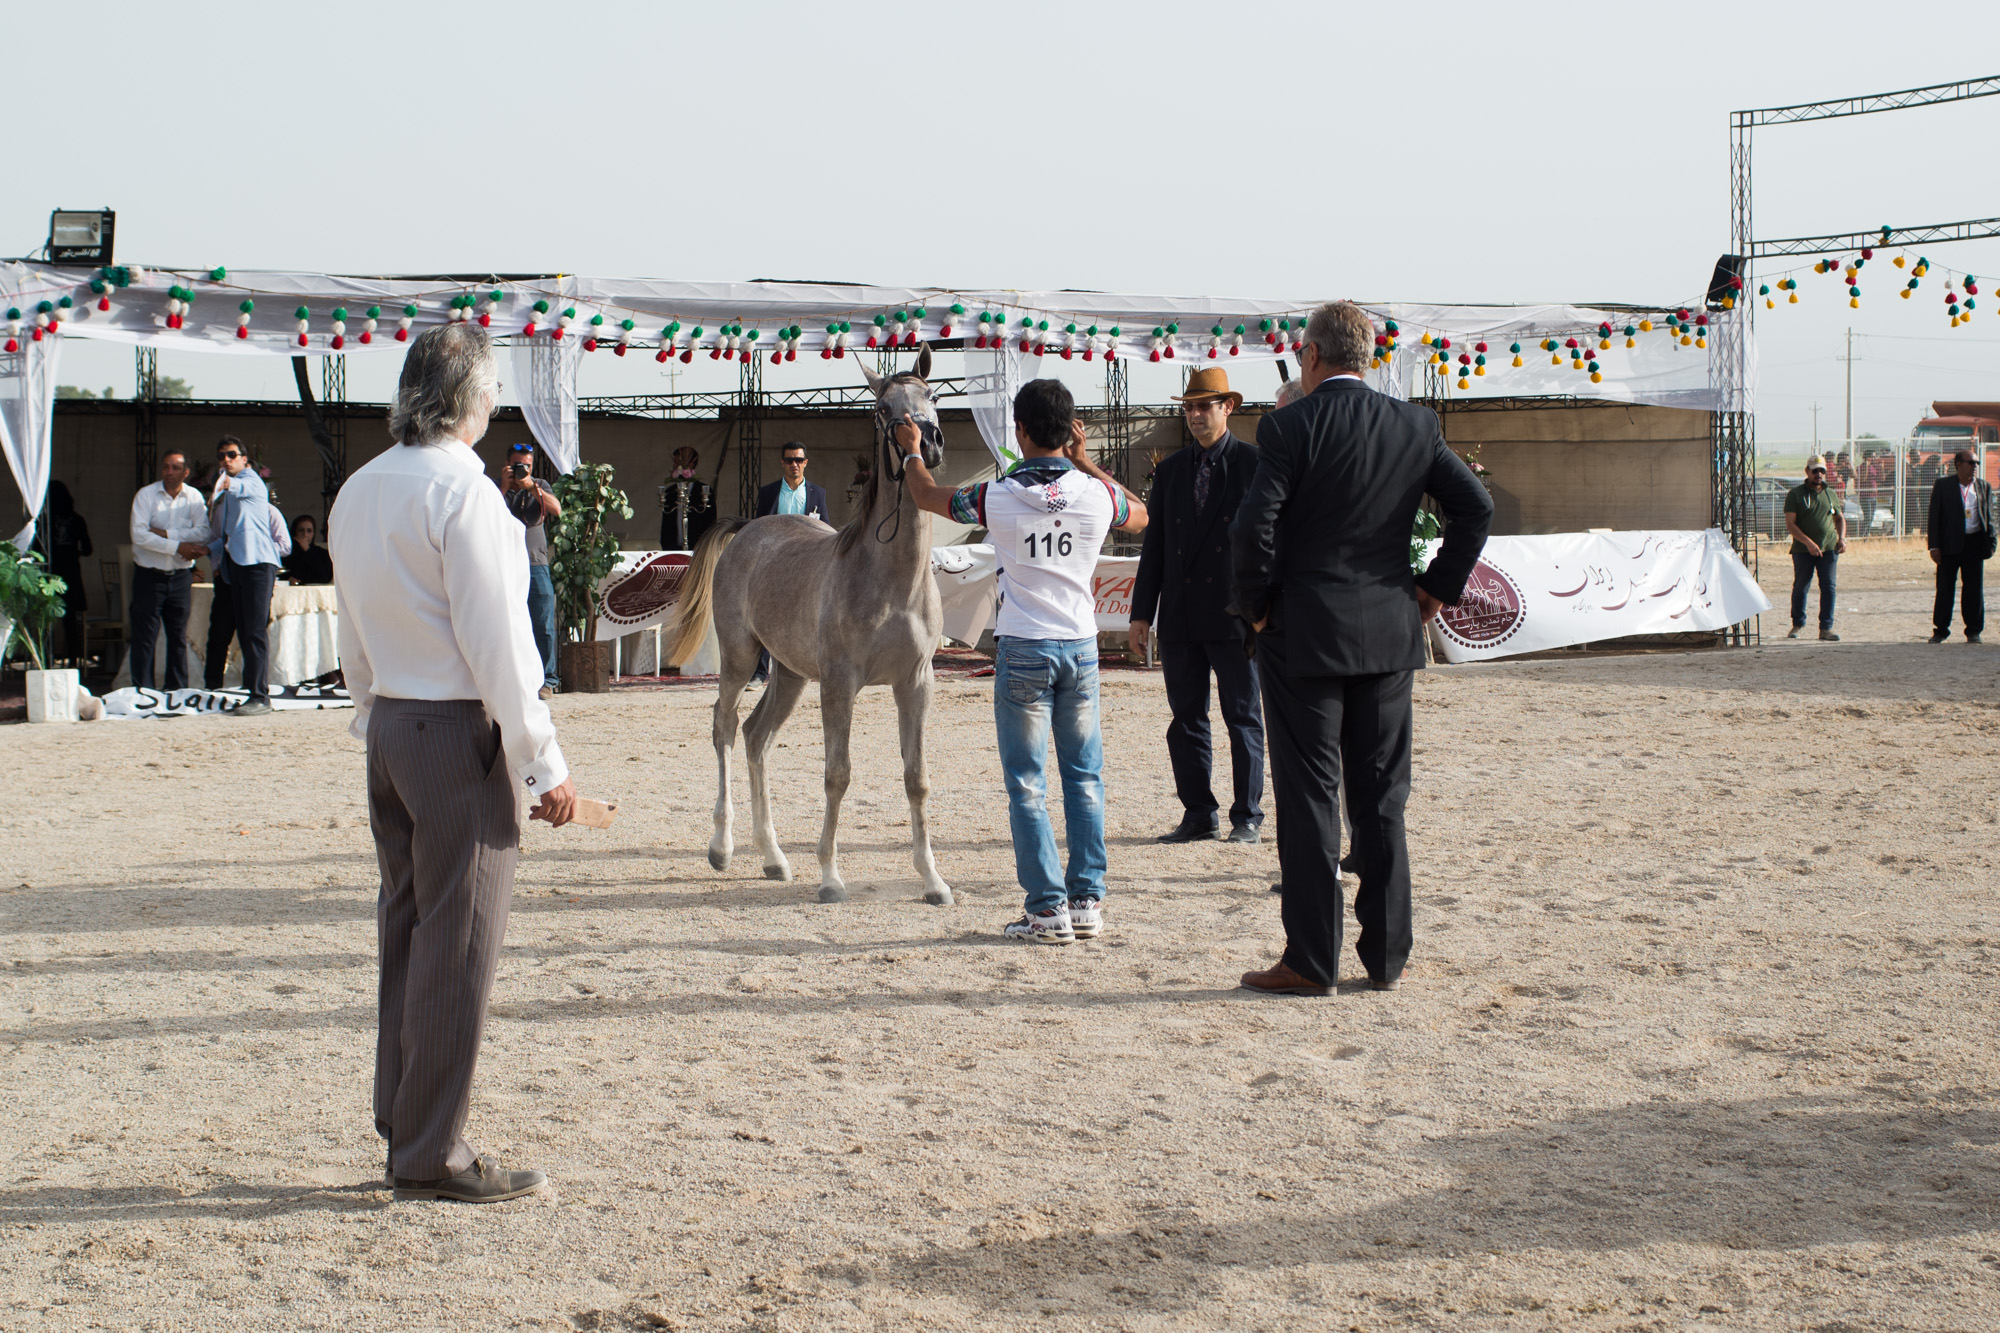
(1281, 980)
(485, 1181)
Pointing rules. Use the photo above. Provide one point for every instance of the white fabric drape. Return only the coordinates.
(992, 378)
(27, 399)
(546, 371)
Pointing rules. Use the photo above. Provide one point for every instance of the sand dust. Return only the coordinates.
(1700, 1029)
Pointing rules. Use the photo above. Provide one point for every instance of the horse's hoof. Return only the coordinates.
(718, 858)
(940, 897)
(832, 893)
(779, 871)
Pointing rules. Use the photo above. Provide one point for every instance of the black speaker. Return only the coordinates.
(1727, 284)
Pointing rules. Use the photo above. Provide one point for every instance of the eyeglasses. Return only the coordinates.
(1204, 405)
(795, 462)
(232, 453)
(520, 448)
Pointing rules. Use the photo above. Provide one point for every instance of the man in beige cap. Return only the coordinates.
(1183, 586)
(1819, 535)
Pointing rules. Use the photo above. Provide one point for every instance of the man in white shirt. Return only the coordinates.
(1048, 518)
(166, 516)
(431, 580)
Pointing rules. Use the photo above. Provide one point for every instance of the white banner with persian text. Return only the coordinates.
(1531, 593)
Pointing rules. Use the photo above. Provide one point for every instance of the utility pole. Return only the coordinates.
(1850, 385)
(1815, 411)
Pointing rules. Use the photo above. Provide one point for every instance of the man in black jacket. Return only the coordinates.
(1322, 551)
(794, 494)
(1184, 576)
(1962, 538)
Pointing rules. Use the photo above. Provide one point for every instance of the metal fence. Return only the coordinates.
(1884, 485)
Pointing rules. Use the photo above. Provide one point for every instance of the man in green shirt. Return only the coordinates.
(1819, 534)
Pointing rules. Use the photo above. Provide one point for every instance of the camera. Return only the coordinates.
(517, 470)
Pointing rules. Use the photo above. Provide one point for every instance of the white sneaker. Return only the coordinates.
(1086, 917)
(1050, 927)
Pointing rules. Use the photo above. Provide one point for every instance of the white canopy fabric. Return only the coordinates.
(27, 406)
(552, 322)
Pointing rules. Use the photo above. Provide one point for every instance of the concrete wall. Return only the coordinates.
(1601, 465)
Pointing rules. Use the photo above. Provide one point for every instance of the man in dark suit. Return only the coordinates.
(793, 495)
(1184, 578)
(1322, 553)
(1962, 539)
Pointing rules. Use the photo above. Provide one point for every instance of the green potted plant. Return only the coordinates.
(582, 550)
(31, 599)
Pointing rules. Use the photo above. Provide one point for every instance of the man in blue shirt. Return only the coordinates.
(245, 558)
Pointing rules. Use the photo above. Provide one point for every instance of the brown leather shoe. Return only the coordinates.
(1281, 980)
(1384, 983)
(485, 1181)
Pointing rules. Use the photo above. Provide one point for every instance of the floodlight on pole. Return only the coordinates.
(80, 237)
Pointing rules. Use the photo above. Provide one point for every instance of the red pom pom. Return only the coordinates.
(1088, 353)
(791, 354)
(825, 354)
(910, 340)
(302, 340)
(485, 319)
(13, 346)
(1479, 348)
(715, 354)
(1570, 343)
(242, 331)
(1865, 254)
(619, 349)
(840, 352)
(1110, 354)
(1211, 354)
(1065, 353)
(1444, 342)
(1153, 357)
(871, 340)
(1024, 344)
(1234, 349)
(367, 338)
(338, 342)
(590, 344)
(687, 356)
(662, 354)
(104, 303)
(1170, 350)
(402, 335)
(556, 333)
(529, 332)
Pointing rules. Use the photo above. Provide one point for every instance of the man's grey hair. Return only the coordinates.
(1342, 335)
(448, 378)
(1290, 392)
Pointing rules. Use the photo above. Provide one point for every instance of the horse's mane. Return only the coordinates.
(857, 523)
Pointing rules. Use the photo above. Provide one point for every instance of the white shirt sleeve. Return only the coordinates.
(486, 582)
(355, 670)
(143, 536)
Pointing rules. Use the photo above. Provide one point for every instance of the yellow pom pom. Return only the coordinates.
(1427, 340)
(1576, 363)
(1793, 299)
(1685, 340)
(1905, 293)
(1645, 326)
(1897, 261)
(1728, 303)
(1701, 342)
(1596, 378)
(1769, 304)
(1517, 361)
(1464, 384)
(1954, 321)
(1479, 370)
(1604, 344)
(1374, 363)
(1854, 302)
(1555, 360)
(1631, 342)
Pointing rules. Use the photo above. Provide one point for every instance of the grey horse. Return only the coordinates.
(849, 608)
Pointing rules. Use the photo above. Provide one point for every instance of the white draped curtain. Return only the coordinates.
(992, 378)
(27, 404)
(545, 369)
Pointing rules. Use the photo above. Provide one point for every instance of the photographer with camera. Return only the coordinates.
(532, 502)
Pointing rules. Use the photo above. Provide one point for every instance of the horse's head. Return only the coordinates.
(906, 393)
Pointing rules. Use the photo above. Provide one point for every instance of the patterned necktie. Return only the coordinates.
(1201, 482)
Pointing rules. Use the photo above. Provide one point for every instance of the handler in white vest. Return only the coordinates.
(1048, 518)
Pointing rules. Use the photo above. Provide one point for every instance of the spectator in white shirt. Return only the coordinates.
(167, 517)
(431, 580)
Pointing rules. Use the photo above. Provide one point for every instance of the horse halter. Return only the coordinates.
(929, 434)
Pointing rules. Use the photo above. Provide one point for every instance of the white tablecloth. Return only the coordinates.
(305, 638)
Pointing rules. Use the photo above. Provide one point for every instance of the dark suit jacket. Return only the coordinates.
(1185, 572)
(1948, 533)
(1322, 538)
(767, 500)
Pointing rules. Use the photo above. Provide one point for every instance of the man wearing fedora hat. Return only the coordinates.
(1183, 588)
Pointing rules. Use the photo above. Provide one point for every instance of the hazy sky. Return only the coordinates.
(1499, 153)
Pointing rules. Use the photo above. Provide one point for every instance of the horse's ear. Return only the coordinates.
(875, 382)
(922, 369)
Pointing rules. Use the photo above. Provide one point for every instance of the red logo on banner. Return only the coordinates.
(1489, 613)
(1114, 594)
(646, 591)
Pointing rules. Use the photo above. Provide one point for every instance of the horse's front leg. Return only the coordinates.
(836, 709)
(913, 705)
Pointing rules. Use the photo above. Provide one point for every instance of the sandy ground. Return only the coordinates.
(1700, 1030)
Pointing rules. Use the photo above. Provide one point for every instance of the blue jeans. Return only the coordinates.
(1803, 568)
(542, 616)
(1039, 686)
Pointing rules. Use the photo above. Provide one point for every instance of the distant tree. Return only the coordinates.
(173, 386)
(71, 391)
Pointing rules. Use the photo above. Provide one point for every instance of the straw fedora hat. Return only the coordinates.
(1210, 382)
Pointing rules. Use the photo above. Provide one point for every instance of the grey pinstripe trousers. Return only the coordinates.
(447, 837)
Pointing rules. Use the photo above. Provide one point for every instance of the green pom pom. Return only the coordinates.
(1159, 332)
(596, 320)
(625, 324)
(1042, 327)
(218, 273)
(569, 312)
(1216, 331)
(1114, 330)
(302, 313)
(1091, 332)
(918, 313)
(881, 320)
(97, 285)
(846, 327)
(496, 295)
(1070, 329)
(696, 333)
(340, 313)
(957, 309)
(1027, 323)
(374, 312)
(1173, 328)
(66, 303)
(411, 310)
(13, 312)
(1240, 330)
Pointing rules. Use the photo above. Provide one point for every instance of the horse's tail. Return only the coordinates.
(696, 609)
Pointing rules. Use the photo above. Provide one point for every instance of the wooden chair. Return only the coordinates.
(111, 624)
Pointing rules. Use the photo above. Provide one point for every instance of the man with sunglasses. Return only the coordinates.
(247, 542)
(530, 500)
(793, 495)
(1185, 576)
(1819, 534)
